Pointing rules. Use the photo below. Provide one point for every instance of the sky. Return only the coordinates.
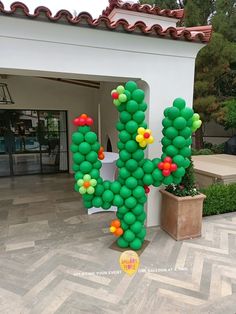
(94, 7)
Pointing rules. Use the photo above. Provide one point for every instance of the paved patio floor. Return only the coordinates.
(54, 258)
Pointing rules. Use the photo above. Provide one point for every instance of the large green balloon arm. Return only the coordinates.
(136, 173)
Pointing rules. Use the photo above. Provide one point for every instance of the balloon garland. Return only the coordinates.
(136, 173)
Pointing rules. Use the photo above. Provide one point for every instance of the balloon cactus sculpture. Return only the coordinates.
(136, 173)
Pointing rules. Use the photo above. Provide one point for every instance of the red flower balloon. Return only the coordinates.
(167, 166)
(82, 120)
(147, 189)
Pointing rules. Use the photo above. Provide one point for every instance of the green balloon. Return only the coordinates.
(147, 179)
(166, 112)
(187, 113)
(87, 204)
(171, 150)
(179, 103)
(189, 141)
(131, 146)
(124, 136)
(156, 183)
(75, 167)
(120, 145)
(171, 133)
(131, 183)
(124, 155)
(125, 117)
(120, 163)
(190, 122)
(136, 227)
(120, 126)
(97, 164)
(136, 244)
(143, 125)
(179, 173)
(138, 192)
(139, 116)
(131, 86)
(106, 205)
(180, 123)
(186, 132)
(78, 158)
(129, 218)
(138, 95)
(186, 163)
(185, 152)
(157, 175)
(165, 141)
(86, 167)
(179, 142)
(115, 187)
(118, 201)
(148, 166)
(120, 89)
(143, 106)
(131, 165)
(142, 234)
(119, 215)
(106, 184)
(76, 187)
(99, 190)
(131, 126)
(74, 148)
(78, 175)
(92, 157)
(138, 154)
(178, 160)
(77, 138)
(166, 122)
(124, 173)
(84, 129)
(137, 210)
(95, 147)
(122, 243)
(97, 201)
(173, 113)
(107, 196)
(177, 180)
(138, 173)
(130, 202)
(129, 236)
(132, 106)
(142, 218)
(94, 173)
(84, 148)
(90, 137)
(125, 192)
(123, 210)
(128, 94)
(156, 161)
(168, 180)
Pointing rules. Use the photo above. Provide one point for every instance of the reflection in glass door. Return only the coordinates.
(33, 141)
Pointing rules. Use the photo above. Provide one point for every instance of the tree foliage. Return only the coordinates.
(215, 75)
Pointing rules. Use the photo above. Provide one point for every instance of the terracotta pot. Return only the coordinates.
(181, 217)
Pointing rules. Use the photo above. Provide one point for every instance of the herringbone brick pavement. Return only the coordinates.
(54, 258)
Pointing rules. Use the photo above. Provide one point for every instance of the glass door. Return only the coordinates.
(6, 144)
(33, 142)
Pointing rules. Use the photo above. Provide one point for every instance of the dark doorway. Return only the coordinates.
(33, 142)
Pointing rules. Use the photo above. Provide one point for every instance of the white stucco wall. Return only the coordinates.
(148, 19)
(37, 93)
(49, 49)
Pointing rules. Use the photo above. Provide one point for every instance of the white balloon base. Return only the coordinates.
(94, 210)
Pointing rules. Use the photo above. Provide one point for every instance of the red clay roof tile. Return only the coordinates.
(84, 19)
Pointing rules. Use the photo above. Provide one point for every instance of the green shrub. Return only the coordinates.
(219, 199)
(203, 151)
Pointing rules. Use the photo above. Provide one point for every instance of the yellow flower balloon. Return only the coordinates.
(144, 137)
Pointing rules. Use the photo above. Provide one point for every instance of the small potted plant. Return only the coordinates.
(181, 213)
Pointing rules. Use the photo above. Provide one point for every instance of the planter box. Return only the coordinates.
(181, 217)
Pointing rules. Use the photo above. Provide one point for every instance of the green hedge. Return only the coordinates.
(220, 199)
